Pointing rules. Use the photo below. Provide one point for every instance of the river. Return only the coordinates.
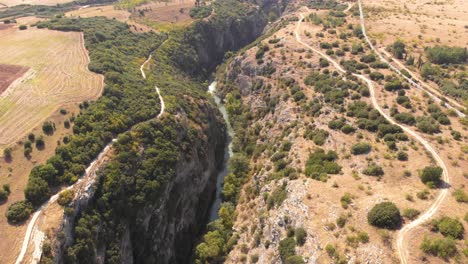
(213, 214)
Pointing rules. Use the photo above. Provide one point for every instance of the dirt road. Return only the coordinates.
(395, 69)
(402, 234)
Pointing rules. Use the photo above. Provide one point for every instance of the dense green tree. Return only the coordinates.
(18, 212)
(384, 215)
(431, 175)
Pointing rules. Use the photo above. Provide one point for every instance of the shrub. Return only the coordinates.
(363, 237)
(65, 197)
(341, 220)
(23, 27)
(431, 174)
(348, 129)
(410, 213)
(336, 123)
(393, 85)
(321, 162)
(7, 154)
(368, 58)
(40, 144)
(287, 248)
(444, 247)
(375, 76)
(277, 196)
(48, 128)
(405, 118)
(346, 200)
(300, 235)
(460, 196)
(446, 54)
(294, 260)
(398, 49)
(384, 215)
(19, 212)
(449, 227)
(402, 156)
(427, 125)
(373, 170)
(361, 148)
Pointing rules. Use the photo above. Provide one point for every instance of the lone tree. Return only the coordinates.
(431, 175)
(384, 215)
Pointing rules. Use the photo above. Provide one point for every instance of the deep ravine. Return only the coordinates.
(213, 213)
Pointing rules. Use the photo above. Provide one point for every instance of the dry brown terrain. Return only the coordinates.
(315, 205)
(16, 172)
(8, 74)
(418, 21)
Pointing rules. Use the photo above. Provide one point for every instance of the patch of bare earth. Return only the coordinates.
(8, 74)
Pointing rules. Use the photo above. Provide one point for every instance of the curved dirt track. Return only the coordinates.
(409, 80)
(401, 247)
(33, 234)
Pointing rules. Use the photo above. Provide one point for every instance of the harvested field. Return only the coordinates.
(9, 73)
(168, 12)
(32, 2)
(58, 75)
(164, 16)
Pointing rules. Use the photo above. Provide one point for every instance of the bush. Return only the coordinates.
(200, 11)
(431, 175)
(300, 235)
(65, 197)
(294, 260)
(48, 128)
(23, 27)
(427, 125)
(402, 156)
(405, 118)
(446, 54)
(7, 154)
(460, 196)
(384, 215)
(321, 162)
(361, 148)
(375, 76)
(449, 227)
(277, 196)
(287, 248)
(411, 213)
(19, 212)
(373, 170)
(348, 129)
(444, 247)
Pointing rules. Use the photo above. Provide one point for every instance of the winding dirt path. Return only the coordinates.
(33, 234)
(402, 234)
(423, 87)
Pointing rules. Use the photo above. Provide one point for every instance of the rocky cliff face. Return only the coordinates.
(163, 232)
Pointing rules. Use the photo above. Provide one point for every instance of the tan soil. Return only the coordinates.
(8, 74)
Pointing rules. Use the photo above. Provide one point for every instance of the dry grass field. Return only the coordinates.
(418, 21)
(58, 75)
(32, 2)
